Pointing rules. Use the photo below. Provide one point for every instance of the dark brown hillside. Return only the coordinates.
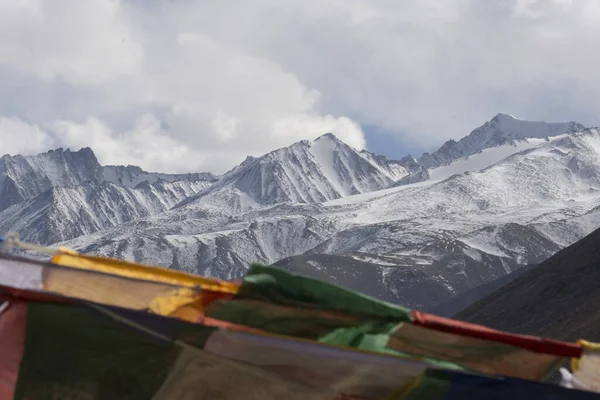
(559, 298)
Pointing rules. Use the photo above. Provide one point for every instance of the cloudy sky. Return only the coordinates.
(182, 85)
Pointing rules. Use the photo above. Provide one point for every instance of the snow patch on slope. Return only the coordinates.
(476, 162)
(323, 150)
(484, 159)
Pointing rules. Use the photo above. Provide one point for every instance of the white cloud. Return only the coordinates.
(17, 137)
(193, 85)
(145, 145)
(427, 69)
(311, 126)
(138, 89)
(83, 42)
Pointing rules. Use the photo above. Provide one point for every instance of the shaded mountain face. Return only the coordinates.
(60, 195)
(463, 300)
(405, 285)
(63, 213)
(558, 298)
(395, 229)
(24, 177)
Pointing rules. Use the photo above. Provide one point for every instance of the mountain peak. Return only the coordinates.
(29, 176)
(305, 172)
(501, 129)
(505, 117)
(59, 150)
(327, 136)
(83, 157)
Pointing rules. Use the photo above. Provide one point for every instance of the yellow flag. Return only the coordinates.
(182, 303)
(142, 272)
(587, 368)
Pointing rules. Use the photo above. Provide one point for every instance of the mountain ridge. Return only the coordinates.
(501, 129)
(304, 172)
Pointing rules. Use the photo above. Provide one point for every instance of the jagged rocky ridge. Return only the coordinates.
(501, 129)
(60, 195)
(398, 230)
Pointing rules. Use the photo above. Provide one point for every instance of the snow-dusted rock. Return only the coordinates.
(305, 172)
(500, 130)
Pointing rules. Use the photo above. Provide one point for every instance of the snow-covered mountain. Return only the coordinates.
(25, 177)
(501, 129)
(305, 172)
(402, 230)
(60, 195)
(63, 213)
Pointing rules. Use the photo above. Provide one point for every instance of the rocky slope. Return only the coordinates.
(456, 304)
(558, 298)
(63, 213)
(60, 195)
(408, 285)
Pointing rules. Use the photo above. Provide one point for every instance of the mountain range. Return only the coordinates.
(413, 231)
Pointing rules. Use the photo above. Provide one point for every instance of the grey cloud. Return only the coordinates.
(218, 80)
